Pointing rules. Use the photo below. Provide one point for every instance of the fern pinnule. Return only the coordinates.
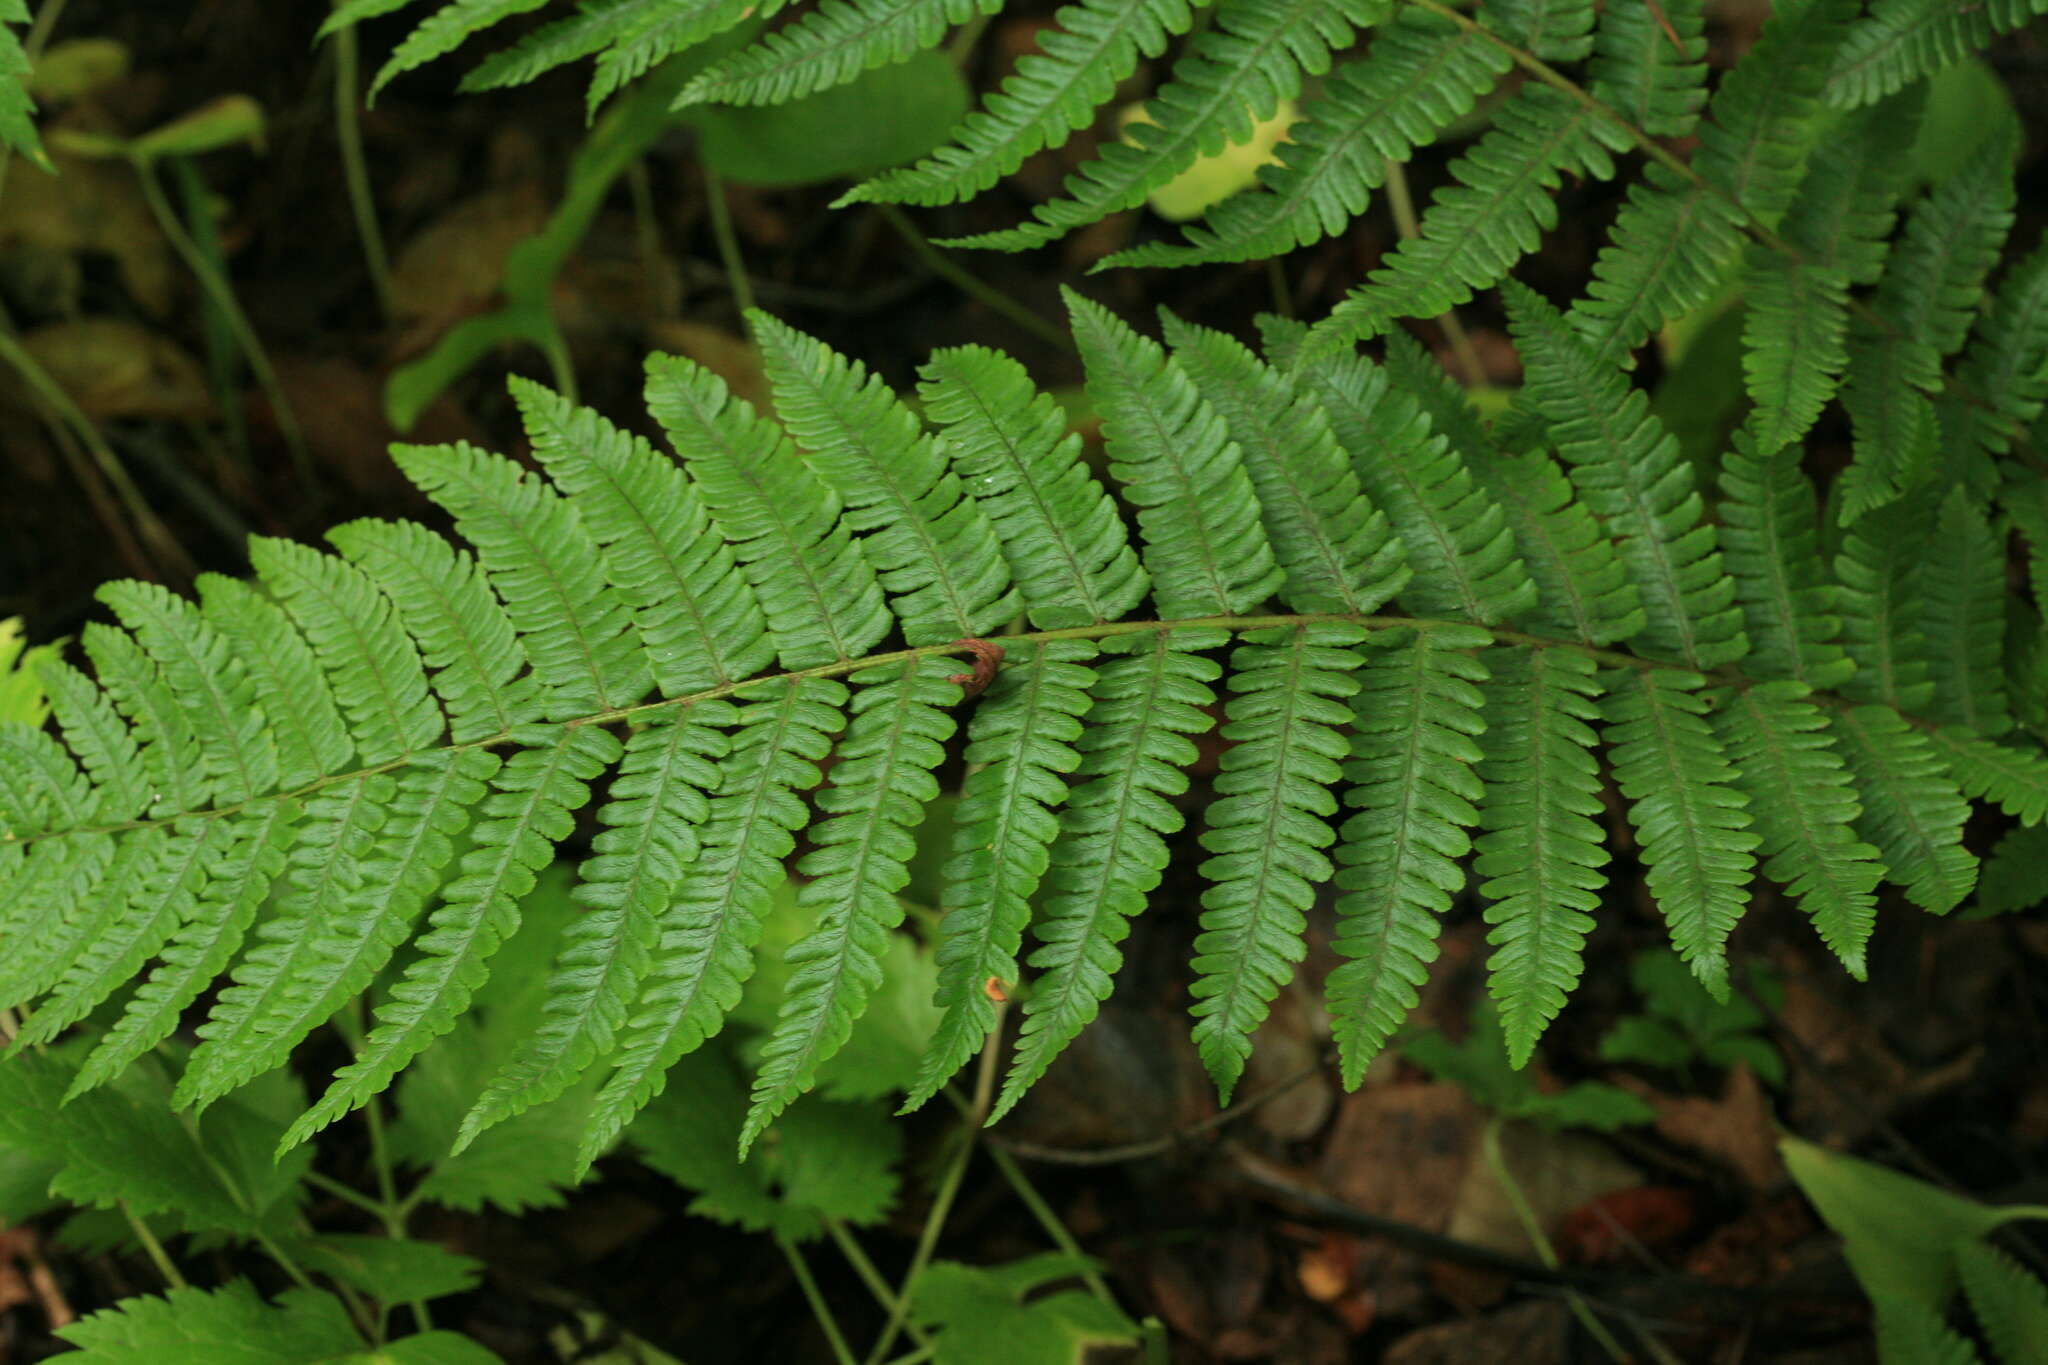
(1553, 30)
(1267, 829)
(1962, 604)
(1066, 545)
(2013, 777)
(1900, 41)
(305, 725)
(1770, 530)
(102, 740)
(1912, 812)
(1649, 64)
(829, 46)
(1413, 797)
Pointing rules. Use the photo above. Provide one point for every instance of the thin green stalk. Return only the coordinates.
(155, 1249)
(921, 1354)
(283, 1259)
(1402, 202)
(348, 1195)
(1028, 1195)
(971, 284)
(647, 232)
(1496, 1162)
(390, 1208)
(821, 1310)
(728, 243)
(948, 1191)
(355, 167)
(68, 413)
(216, 284)
(850, 1248)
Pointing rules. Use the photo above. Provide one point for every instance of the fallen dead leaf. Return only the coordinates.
(1556, 1173)
(112, 367)
(455, 265)
(1532, 1333)
(1737, 1127)
(90, 206)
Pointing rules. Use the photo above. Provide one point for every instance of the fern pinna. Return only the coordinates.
(1412, 641)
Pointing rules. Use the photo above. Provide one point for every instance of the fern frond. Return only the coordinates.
(1267, 829)
(1460, 549)
(101, 739)
(1234, 74)
(2009, 1303)
(1145, 704)
(1804, 804)
(299, 711)
(1770, 524)
(859, 861)
(1473, 233)
(461, 628)
(1962, 606)
(1414, 794)
(1767, 115)
(1054, 91)
(529, 811)
(2013, 777)
(1553, 30)
(648, 844)
(1649, 64)
(1923, 306)
(1422, 74)
(372, 666)
(1059, 528)
(667, 29)
(1670, 246)
(1629, 472)
(819, 594)
(1021, 747)
(1203, 544)
(37, 963)
(932, 547)
(1900, 41)
(1542, 852)
(437, 35)
(1335, 550)
(829, 46)
(2004, 371)
(706, 950)
(544, 565)
(596, 26)
(1691, 821)
(171, 758)
(253, 854)
(1879, 568)
(1912, 811)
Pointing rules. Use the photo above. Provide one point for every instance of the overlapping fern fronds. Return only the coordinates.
(340, 777)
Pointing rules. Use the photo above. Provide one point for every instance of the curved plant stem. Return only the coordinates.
(821, 1310)
(158, 1257)
(849, 1247)
(1402, 203)
(1028, 1195)
(223, 295)
(348, 130)
(970, 284)
(728, 243)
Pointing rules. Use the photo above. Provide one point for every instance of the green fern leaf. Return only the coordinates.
(1475, 231)
(1413, 794)
(858, 862)
(1670, 247)
(2013, 777)
(37, 963)
(664, 30)
(1335, 550)
(352, 12)
(462, 629)
(17, 109)
(1234, 74)
(1542, 851)
(695, 614)
(1267, 829)
(527, 814)
(208, 682)
(296, 705)
(1204, 547)
(544, 565)
(708, 934)
(1771, 528)
(95, 732)
(1054, 91)
(1767, 115)
(2009, 1303)
(253, 854)
(658, 798)
(1923, 308)
(1009, 443)
(1553, 30)
(1900, 41)
(1112, 847)
(1804, 804)
(1912, 811)
(2015, 873)
(1460, 550)
(829, 46)
(439, 33)
(1879, 569)
(1691, 822)
(1962, 606)
(1649, 64)
(1423, 74)
(1629, 473)
(172, 761)
(932, 546)
(2005, 369)
(819, 594)
(1020, 749)
(597, 25)
(371, 665)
